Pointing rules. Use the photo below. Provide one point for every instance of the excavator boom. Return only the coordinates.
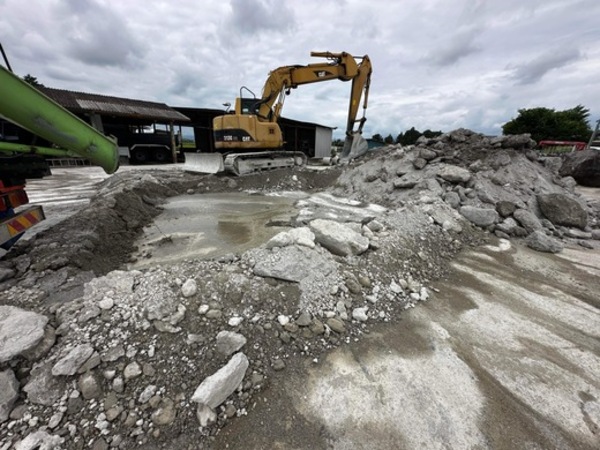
(343, 67)
(28, 108)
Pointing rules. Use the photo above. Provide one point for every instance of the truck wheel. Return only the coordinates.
(162, 156)
(139, 156)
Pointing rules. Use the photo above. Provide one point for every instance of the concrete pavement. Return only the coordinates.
(506, 355)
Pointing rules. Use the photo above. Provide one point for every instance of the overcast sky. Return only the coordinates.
(437, 64)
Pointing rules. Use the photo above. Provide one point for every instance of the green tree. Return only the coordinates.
(431, 134)
(545, 123)
(32, 80)
(377, 138)
(389, 139)
(410, 136)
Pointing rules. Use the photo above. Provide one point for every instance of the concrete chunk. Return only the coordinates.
(72, 361)
(229, 342)
(338, 238)
(20, 330)
(481, 217)
(9, 392)
(215, 389)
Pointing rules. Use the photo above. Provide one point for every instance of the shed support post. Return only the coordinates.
(173, 147)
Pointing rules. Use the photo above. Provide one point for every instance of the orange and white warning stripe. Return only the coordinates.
(19, 223)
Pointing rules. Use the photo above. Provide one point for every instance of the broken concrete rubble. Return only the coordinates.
(482, 217)
(338, 238)
(9, 393)
(474, 176)
(583, 166)
(291, 263)
(20, 331)
(72, 361)
(541, 242)
(289, 300)
(229, 342)
(215, 389)
(562, 209)
(43, 388)
(40, 440)
(300, 236)
(454, 174)
(528, 220)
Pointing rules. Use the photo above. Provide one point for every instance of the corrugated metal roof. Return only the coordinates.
(81, 102)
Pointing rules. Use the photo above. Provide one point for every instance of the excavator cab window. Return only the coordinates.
(248, 105)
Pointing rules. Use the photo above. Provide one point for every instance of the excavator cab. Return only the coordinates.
(249, 127)
(246, 129)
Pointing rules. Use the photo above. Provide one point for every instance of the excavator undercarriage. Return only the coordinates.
(244, 163)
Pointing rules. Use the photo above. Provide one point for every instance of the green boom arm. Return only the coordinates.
(28, 108)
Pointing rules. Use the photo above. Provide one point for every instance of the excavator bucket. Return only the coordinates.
(203, 163)
(354, 146)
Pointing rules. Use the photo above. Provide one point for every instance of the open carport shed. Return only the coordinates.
(145, 130)
(312, 139)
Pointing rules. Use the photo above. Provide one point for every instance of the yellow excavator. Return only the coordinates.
(251, 139)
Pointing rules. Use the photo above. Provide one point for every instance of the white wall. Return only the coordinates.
(323, 138)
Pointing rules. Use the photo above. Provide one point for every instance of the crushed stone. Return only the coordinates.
(127, 349)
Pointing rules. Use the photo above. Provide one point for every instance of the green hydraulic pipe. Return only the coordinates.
(28, 108)
(35, 149)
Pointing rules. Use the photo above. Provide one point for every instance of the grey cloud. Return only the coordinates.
(97, 36)
(535, 69)
(186, 82)
(252, 16)
(457, 47)
(62, 74)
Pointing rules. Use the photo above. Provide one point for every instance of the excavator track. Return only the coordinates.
(244, 163)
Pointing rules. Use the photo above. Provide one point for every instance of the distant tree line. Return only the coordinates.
(409, 137)
(542, 123)
(545, 123)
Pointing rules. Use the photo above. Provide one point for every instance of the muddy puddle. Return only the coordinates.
(206, 226)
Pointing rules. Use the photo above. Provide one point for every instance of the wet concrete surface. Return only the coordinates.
(67, 190)
(506, 355)
(206, 226)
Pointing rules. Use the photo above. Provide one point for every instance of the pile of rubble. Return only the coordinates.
(499, 184)
(165, 357)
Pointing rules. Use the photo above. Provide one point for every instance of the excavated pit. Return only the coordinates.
(102, 235)
(205, 226)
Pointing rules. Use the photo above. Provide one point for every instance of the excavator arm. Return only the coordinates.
(360, 88)
(254, 128)
(342, 67)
